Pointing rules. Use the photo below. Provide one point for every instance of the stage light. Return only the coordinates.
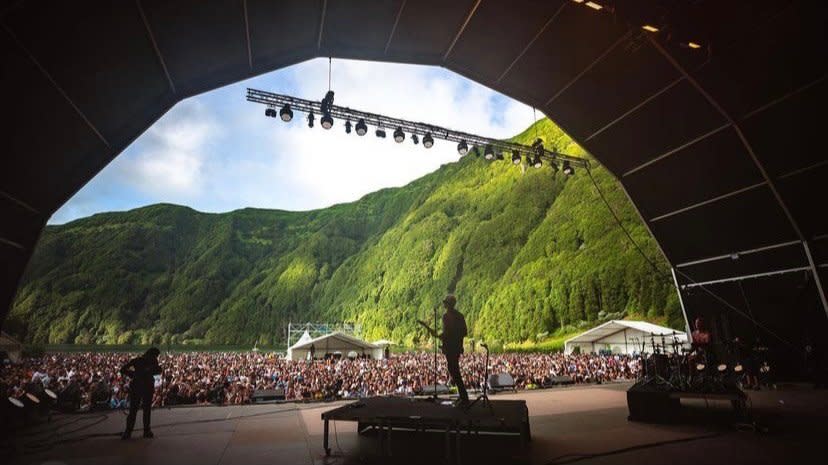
(327, 121)
(415, 139)
(738, 368)
(649, 28)
(488, 154)
(722, 367)
(567, 168)
(693, 45)
(515, 157)
(554, 166)
(700, 367)
(380, 133)
(536, 162)
(399, 135)
(594, 6)
(578, 1)
(428, 141)
(286, 113)
(462, 148)
(348, 127)
(270, 112)
(310, 119)
(361, 128)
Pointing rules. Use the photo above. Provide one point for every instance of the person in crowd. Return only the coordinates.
(233, 377)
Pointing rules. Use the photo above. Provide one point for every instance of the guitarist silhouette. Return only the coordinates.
(454, 330)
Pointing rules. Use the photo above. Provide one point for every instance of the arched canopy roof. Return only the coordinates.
(717, 147)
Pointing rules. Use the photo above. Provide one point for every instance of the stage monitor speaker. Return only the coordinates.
(560, 380)
(653, 406)
(429, 390)
(268, 395)
(501, 382)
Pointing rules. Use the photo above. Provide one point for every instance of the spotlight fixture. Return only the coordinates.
(361, 127)
(536, 162)
(554, 166)
(286, 113)
(325, 113)
(327, 121)
(693, 45)
(594, 6)
(649, 28)
(399, 135)
(428, 141)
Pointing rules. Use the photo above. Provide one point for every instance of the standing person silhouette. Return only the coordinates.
(454, 330)
(142, 371)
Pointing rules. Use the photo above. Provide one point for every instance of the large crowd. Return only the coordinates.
(84, 381)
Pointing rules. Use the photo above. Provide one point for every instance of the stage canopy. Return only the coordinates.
(333, 343)
(719, 145)
(624, 337)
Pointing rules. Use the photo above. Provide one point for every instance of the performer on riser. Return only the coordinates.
(454, 330)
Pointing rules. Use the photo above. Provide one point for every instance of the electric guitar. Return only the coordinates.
(428, 328)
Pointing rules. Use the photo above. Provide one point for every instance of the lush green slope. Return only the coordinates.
(526, 252)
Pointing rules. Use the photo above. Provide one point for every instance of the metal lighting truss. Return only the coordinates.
(277, 101)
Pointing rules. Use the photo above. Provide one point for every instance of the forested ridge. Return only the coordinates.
(526, 251)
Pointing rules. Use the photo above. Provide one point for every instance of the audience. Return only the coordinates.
(88, 381)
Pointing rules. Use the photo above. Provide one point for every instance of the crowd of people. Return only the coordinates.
(84, 381)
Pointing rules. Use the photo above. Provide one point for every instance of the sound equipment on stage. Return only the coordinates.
(268, 395)
(560, 380)
(501, 382)
(434, 389)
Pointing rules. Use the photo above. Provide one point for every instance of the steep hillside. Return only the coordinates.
(526, 252)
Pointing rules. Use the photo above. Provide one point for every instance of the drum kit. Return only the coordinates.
(673, 365)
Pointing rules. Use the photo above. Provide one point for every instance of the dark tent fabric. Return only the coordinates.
(717, 146)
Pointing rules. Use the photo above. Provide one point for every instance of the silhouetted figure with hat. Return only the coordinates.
(142, 371)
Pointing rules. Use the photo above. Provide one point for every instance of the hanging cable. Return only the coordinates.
(329, 74)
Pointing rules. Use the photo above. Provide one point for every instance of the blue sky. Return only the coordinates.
(216, 152)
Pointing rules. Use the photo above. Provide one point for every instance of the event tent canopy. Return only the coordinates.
(330, 344)
(622, 336)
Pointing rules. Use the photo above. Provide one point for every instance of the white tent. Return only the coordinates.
(11, 346)
(336, 342)
(623, 337)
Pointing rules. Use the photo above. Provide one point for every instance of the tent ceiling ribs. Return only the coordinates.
(600, 57)
(57, 86)
(461, 30)
(247, 36)
(321, 24)
(707, 202)
(740, 252)
(756, 161)
(531, 42)
(154, 43)
(394, 28)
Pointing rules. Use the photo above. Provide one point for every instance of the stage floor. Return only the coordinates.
(576, 424)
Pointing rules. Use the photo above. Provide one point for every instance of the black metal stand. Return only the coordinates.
(434, 395)
(484, 396)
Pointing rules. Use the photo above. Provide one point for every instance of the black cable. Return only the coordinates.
(570, 458)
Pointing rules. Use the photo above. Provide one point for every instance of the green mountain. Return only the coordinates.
(525, 250)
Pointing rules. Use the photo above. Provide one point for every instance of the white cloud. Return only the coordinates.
(217, 152)
(169, 158)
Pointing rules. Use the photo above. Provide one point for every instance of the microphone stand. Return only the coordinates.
(434, 396)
